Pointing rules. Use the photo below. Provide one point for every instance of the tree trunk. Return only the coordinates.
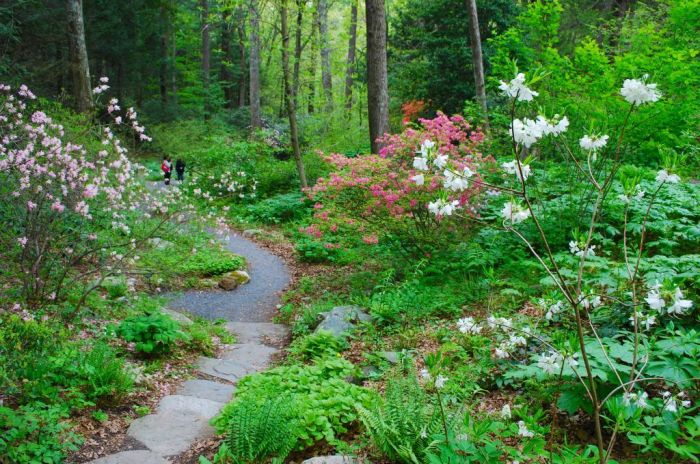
(289, 96)
(164, 45)
(352, 46)
(255, 120)
(206, 57)
(477, 56)
(312, 70)
(377, 82)
(297, 50)
(80, 68)
(326, 76)
(242, 65)
(225, 74)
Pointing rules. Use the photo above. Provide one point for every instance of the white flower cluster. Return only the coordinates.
(636, 195)
(671, 403)
(679, 305)
(638, 92)
(442, 207)
(553, 362)
(593, 142)
(528, 131)
(521, 172)
(514, 213)
(103, 87)
(439, 381)
(517, 89)
(664, 176)
(553, 310)
(585, 252)
(467, 325)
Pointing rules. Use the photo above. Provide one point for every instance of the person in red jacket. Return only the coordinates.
(166, 167)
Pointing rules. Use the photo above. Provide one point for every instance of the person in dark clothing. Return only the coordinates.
(180, 169)
(166, 167)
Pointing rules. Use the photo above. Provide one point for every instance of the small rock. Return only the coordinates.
(171, 432)
(231, 280)
(391, 356)
(177, 316)
(370, 371)
(342, 319)
(214, 391)
(337, 459)
(251, 233)
(159, 243)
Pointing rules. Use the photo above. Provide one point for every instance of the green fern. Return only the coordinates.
(403, 426)
(257, 432)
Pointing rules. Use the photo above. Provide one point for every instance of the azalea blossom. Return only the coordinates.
(517, 89)
(644, 320)
(455, 182)
(440, 161)
(554, 126)
(443, 207)
(593, 142)
(526, 132)
(418, 179)
(554, 309)
(425, 148)
(523, 431)
(654, 299)
(506, 412)
(636, 399)
(420, 163)
(440, 381)
(468, 325)
(664, 176)
(550, 363)
(638, 92)
(522, 172)
(514, 213)
(574, 248)
(679, 306)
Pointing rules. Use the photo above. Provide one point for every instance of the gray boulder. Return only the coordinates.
(337, 459)
(342, 319)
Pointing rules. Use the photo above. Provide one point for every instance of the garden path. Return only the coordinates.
(183, 418)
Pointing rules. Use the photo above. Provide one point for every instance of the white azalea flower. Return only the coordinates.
(593, 142)
(664, 176)
(635, 399)
(425, 374)
(425, 147)
(418, 179)
(638, 92)
(440, 381)
(523, 431)
(440, 161)
(644, 320)
(550, 363)
(679, 306)
(554, 126)
(506, 412)
(516, 88)
(501, 353)
(468, 325)
(512, 168)
(420, 163)
(553, 310)
(455, 182)
(441, 207)
(514, 213)
(654, 299)
(526, 132)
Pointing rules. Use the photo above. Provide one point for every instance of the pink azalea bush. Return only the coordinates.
(58, 197)
(374, 195)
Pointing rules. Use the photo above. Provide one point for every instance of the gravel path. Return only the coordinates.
(255, 301)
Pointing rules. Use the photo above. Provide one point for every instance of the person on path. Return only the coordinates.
(166, 167)
(180, 169)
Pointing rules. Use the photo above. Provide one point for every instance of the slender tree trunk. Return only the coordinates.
(225, 74)
(242, 65)
(80, 67)
(352, 46)
(255, 120)
(326, 75)
(312, 70)
(477, 56)
(164, 45)
(173, 69)
(297, 50)
(289, 96)
(377, 81)
(206, 57)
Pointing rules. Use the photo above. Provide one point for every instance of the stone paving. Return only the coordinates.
(183, 418)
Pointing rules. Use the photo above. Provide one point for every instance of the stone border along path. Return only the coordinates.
(183, 418)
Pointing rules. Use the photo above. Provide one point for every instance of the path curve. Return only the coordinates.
(255, 301)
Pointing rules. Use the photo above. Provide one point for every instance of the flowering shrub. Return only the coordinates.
(59, 198)
(411, 109)
(388, 193)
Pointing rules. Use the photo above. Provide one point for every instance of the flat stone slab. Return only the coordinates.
(198, 406)
(214, 391)
(256, 332)
(250, 354)
(177, 316)
(225, 369)
(337, 459)
(342, 319)
(132, 457)
(170, 433)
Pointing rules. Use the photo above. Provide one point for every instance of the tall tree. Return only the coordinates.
(80, 68)
(326, 74)
(297, 49)
(225, 74)
(289, 95)
(477, 56)
(352, 46)
(242, 70)
(377, 82)
(312, 65)
(255, 120)
(206, 57)
(165, 24)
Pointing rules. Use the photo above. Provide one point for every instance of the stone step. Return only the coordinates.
(257, 332)
(231, 371)
(132, 457)
(337, 459)
(208, 390)
(170, 433)
(251, 354)
(199, 406)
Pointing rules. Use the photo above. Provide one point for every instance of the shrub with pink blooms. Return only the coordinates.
(67, 210)
(367, 198)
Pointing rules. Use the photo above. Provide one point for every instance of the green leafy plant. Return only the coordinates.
(152, 334)
(317, 345)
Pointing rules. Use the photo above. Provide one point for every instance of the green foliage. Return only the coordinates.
(153, 333)
(403, 426)
(36, 433)
(317, 345)
(280, 208)
(210, 262)
(258, 431)
(323, 402)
